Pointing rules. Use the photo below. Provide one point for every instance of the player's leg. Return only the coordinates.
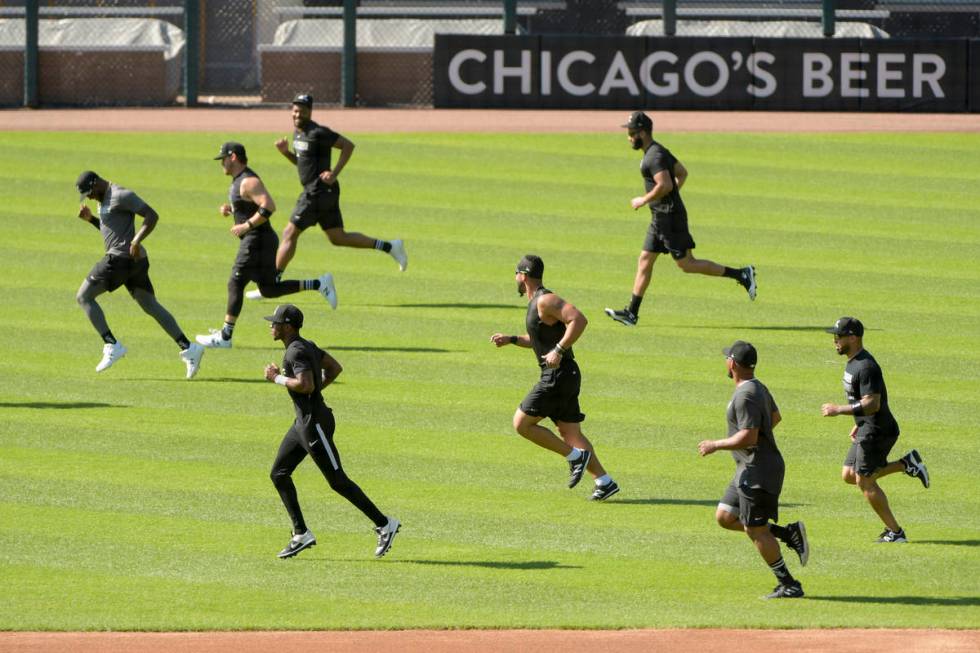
(141, 289)
(287, 246)
(879, 501)
(756, 509)
(687, 262)
(92, 287)
(221, 338)
(332, 222)
(629, 315)
(528, 427)
(291, 453)
(726, 514)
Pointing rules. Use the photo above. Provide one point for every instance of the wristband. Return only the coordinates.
(558, 350)
(94, 221)
(264, 212)
(856, 409)
(513, 340)
(280, 379)
(250, 225)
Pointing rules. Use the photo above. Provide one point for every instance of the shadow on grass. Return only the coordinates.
(460, 305)
(58, 405)
(490, 564)
(950, 601)
(773, 327)
(948, 542)
(211, 379)
(679, 502)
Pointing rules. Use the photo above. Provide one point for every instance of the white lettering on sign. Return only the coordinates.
(712, 59)
(619, 76)
(763, 75)
(920, 76)
(816, 74)
(886, 75)
(566, 82)
(456, 79)
(670, 83)
(851, 70)
(500, 71)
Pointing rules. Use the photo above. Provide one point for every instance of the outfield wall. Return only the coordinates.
(614, 72)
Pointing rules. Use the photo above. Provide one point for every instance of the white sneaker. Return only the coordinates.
(386, 535)
(399, 254)
(215, 340)
(192, 357)
(298, 543)
(110, 354)
(253, 294)
(328, 290)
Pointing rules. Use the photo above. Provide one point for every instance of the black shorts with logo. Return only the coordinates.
(755, 507)
(555, 396)
(321, 207)
(256, 260)
(668, 234)
(869, 453)
(114, 271)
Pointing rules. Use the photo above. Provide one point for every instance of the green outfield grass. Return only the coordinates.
(136, 500)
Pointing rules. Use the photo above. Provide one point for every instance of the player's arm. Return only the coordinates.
(150, 219)
(866, 405)
(680, 174)
(346, 148)
(283, 146)
(85, 214)
(500, 340)
(331, 369)
(254, 190)
(776, 418)
(663, 183)
(302, 384)
(741, 439)
(554, 307)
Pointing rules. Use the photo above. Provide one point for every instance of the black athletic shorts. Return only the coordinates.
(555, 396)
(114, 271)
(754, 507)
(322, 208)
(256, 260)
(868, 454)
(669, 235)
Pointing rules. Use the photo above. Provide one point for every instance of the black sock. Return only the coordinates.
(779, 532)
(781, 572)
(108, 338)
(227, 330)
(635, 304)
(311, 284)
(383, 245)
(732, 273)
(182, 342)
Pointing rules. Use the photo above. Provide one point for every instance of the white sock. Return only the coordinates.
(574, 455)
(605, 479)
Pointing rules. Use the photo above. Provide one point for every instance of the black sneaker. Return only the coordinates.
(386, 535)
(747, 280)
(792, 590)
(577, 467)
(297, 543)
(603, 492)
(892, 537)
(797, 541)
(915, 468)
(624, 316)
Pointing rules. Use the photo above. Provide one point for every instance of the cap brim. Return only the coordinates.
(727, 351)
(219, 158)
(832, 330)
(270, 318)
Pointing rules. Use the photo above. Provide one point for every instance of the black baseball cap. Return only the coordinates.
(532, 266)
(639, 121)
(847, 326)
(85, 182)
(287, 314)
(230, 148)
(304, 99)
(742, 353)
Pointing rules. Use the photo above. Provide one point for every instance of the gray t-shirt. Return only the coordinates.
(117, 212)
(760, 466)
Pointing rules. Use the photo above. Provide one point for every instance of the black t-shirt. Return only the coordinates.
(543, 336)
(313, 145)
(302, 356)
(243, 209)
(863, 377)
(657, 158)
(760, 466)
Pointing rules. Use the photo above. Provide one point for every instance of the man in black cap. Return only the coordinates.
(319, 203)
(751, 502)
(251, 207)
(663, 176)
(875, 430)
(553, 326)
(306, 370)
(125, 263)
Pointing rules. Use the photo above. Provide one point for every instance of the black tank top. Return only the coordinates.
(243, 209)
(544, 337)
